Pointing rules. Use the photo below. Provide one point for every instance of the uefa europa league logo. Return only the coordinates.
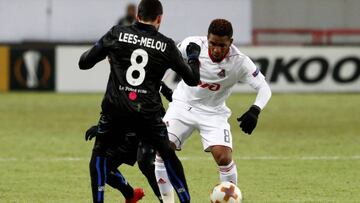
(32, 60)
(32, 69)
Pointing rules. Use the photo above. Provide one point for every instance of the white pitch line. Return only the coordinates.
(326, 158)
(192, 158)
(52, 159)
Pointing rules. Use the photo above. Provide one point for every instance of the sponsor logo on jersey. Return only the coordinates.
(221, 74)
(131, 89)
(132, 95)
(210, 86)
(142, 41)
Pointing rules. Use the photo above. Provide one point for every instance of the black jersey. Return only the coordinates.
(139, 56)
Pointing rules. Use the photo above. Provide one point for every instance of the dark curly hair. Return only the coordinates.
(148, 10)
(220, 27)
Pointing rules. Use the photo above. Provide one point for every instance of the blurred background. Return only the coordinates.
(301, 46)
(304, 149)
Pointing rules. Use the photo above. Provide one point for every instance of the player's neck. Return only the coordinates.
(217, 60)
(147, 22)
(155, 23)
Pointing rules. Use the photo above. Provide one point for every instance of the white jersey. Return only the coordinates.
(217, 79)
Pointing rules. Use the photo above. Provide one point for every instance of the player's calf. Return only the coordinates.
(98, 177)
(166, 189)
(227, 167)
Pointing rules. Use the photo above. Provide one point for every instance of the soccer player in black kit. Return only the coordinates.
(123, 149)
(139, 56)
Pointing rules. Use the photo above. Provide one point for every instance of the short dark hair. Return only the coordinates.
(220, 27)
(148, 10)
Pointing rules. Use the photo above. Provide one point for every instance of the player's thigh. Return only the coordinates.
(153, 133)
(105, 136)
(215, 130)
(179, 124)
(178, 132)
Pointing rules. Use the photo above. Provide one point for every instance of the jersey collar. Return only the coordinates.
(145, 27)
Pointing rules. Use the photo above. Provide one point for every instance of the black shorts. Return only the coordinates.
(118, 145)
(150, 130)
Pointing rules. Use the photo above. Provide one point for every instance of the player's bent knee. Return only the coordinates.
(223, 160)
(173, 146)
(146, 157)
(165, 150)
(222, 155)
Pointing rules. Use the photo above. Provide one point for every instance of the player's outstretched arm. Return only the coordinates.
(256, 80)
(166, 91)
(190, 72)
(92, 56)
(249, 119)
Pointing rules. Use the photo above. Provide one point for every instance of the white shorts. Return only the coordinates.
(182, 119)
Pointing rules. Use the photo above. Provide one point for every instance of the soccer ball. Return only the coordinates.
(226, 192)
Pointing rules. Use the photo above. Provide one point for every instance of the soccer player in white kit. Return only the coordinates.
(203, 107)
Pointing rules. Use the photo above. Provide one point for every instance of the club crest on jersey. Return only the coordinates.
(256, 72)
(221, 74)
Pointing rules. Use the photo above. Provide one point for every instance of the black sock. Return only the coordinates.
(149, 173)
(176, 175)
(177, 178)
(155, 135)
(146, 158)
(98, 177)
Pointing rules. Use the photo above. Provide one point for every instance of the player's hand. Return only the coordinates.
(249, 119)
(166, 91)
(91, 132)
(193, 51)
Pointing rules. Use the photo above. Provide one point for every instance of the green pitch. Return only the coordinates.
(306, 148)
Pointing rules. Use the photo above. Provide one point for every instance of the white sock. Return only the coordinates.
(166, 189)
(228, 173)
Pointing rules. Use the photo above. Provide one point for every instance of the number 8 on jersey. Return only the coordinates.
(135, 66)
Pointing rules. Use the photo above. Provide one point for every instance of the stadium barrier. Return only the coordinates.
(27, 68)
(307, 69)
(4, 68)
(287, 69)
(69, 78)
(317, 36)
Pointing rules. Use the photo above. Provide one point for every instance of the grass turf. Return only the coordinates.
(305, 149)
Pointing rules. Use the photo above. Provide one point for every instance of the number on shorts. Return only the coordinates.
(226, 136)
(135, 66)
